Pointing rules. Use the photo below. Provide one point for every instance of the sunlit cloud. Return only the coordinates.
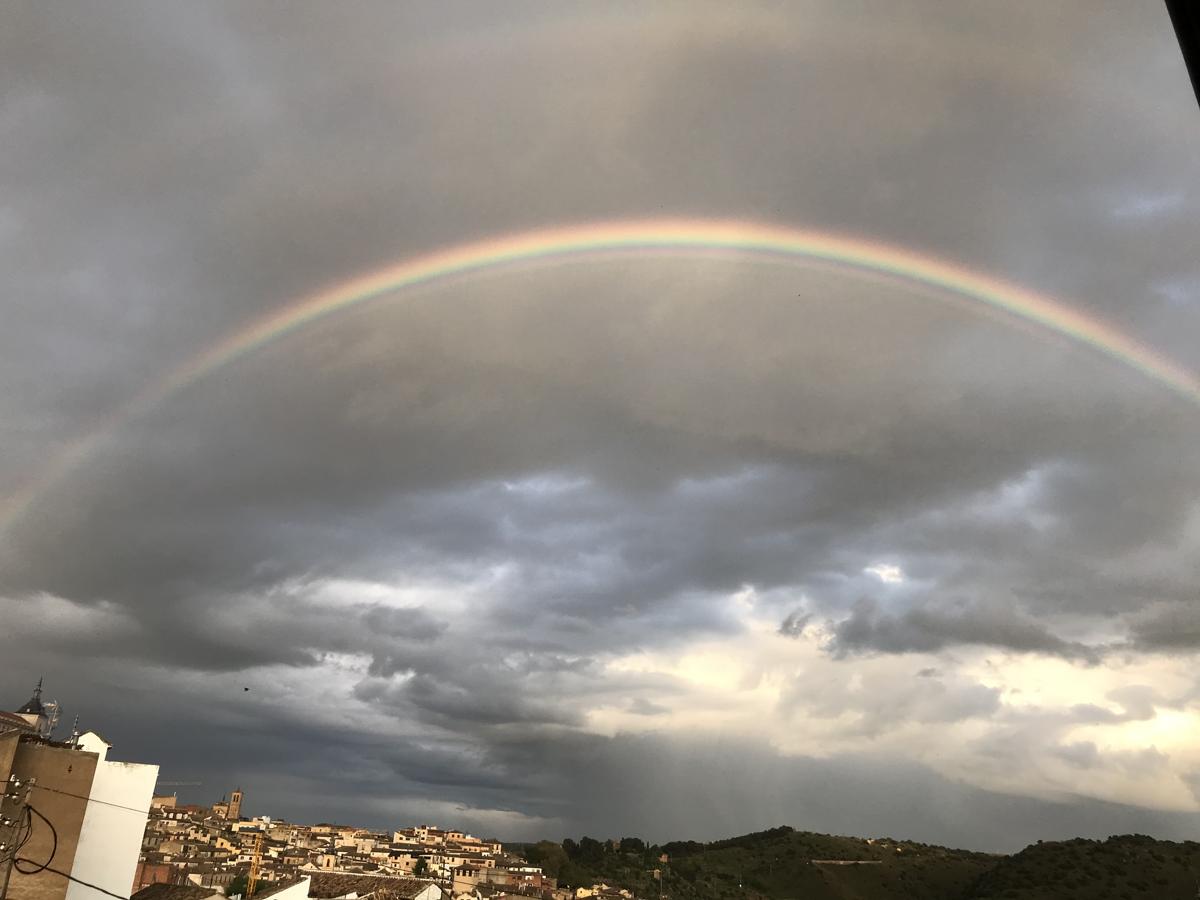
(887, 573)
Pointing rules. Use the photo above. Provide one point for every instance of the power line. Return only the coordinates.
(20, 842)
(94, 887)
(140, 812)
(190, 822)
(28, 831)
(23, 820)
(17, 860)
(46, 867)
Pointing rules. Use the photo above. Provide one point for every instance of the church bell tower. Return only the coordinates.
(41, 715)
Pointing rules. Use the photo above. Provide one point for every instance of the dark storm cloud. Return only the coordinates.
(233, 634)
(448, 703)
(588, 462)
(928, 628)
(794, 624)
(695, 786)
(1167, 627)
(656, 775)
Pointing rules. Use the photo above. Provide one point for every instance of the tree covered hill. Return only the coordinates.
(769, 865)
(1128, 867)
(783, 864)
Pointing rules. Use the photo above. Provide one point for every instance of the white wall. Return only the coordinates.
(111, 836)
(91, 742)
(298, 891)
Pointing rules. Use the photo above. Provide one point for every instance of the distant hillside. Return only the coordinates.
(1121, 868)
(777, 864)
(783, 864)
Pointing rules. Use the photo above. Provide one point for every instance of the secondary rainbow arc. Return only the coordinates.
(649, 236)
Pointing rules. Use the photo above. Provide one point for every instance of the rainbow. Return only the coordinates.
(658, 237)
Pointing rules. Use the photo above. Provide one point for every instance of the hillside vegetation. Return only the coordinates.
(783, 864)
(1120, 868)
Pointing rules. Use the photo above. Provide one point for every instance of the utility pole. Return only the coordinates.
(14, 805)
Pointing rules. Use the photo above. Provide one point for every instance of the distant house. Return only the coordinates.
(293, 857)
(148, 873)
(464, 879)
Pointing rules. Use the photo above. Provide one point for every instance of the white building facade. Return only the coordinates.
(110, 838)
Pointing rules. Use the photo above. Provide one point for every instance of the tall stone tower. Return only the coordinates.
(235, 805)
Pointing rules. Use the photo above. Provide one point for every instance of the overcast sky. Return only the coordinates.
(640, 545)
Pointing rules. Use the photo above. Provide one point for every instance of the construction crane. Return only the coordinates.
(255, 865)
(175, 784)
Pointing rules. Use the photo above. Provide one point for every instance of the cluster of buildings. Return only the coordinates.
(76, 825)
(212, 846)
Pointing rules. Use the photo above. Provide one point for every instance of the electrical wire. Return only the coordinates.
(38, 868)
(140, 812)
(19, 842)
(46, 867)
(42, 787)
(20, 845)
(88, 884)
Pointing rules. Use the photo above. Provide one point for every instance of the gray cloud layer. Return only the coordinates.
(430, 524)
(924, 629)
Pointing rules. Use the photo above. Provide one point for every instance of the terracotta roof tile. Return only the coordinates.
(327, 885)
(174, 892)
(276, 887)
(13, 722)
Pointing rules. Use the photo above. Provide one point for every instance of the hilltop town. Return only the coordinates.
(75, 823)
(215, 847)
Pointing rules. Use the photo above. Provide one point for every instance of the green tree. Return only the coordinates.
(590, 849)
(547, 854)
(421, 869)
(573, 875)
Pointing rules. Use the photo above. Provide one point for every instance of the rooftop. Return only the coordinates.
(174, 892)
(34, 705)
(276, 887)
(13, 722)
(326, 885)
